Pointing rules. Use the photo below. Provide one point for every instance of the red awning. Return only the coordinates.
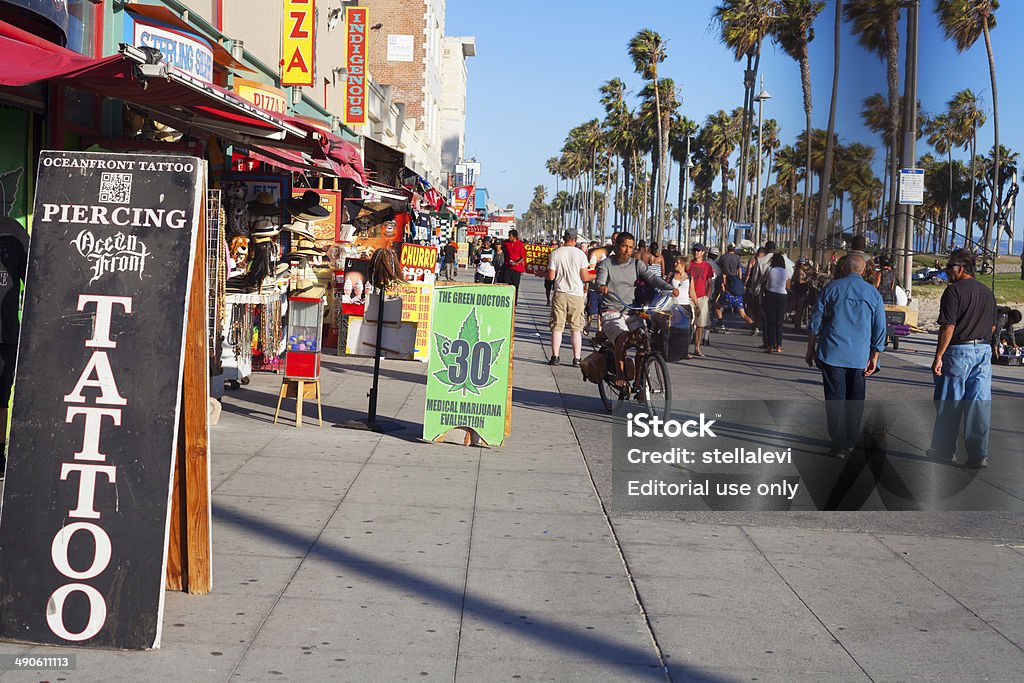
(293, 161)
(27, 58)
(180, 100)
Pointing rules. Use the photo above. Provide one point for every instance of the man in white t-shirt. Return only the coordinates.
(568, 269)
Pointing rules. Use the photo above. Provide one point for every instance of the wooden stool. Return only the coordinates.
(299, 389)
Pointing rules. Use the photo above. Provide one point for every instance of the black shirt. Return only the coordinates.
(971, 307)
(449, 252)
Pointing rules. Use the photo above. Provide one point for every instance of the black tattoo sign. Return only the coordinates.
(84, 522)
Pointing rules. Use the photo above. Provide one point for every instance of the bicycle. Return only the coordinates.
(651, 385)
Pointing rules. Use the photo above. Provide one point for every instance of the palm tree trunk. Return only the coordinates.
(830, 134)
(607, 194)
(724, 218)
(950, 217)
(748, 125)
(892, 57)
(969, 228)
(805, 233)
(996, 190)
(682, 200)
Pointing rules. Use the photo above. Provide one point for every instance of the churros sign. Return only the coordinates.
(355, 61)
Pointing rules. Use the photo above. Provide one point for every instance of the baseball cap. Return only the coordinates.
(698, 247)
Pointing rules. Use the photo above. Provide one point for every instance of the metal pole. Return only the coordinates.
(910, 137)
(684, 244)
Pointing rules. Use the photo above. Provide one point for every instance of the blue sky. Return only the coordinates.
(540, 64)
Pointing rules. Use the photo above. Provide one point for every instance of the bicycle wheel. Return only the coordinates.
(611, 396)
(656, 392)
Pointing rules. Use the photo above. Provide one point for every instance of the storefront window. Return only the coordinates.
(81, 109)
(82, 28)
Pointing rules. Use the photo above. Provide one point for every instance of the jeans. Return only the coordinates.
(844, 403)
(774, 312)
(963, 393)
(512, 277)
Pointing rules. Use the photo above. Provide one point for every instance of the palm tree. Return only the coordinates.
(941, 132)
(719, 137)
(876, 25)
(963, 22)
(875, 115)
(683, 129)
(613, 94)
(966, 110)
(793, 31)
(743, 25)
(788, 166)
(647, 50)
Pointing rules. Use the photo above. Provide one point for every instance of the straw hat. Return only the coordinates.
(263, 227)
(300, 229)
(264, 205)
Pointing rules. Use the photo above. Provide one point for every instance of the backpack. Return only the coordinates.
(887, 286)
(758, 282)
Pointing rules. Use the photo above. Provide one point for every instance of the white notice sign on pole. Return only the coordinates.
(912, 186)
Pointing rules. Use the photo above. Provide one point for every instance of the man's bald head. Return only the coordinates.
(855, 263)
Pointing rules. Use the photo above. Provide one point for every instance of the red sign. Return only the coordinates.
(463, 199)
(477, 230)
(355, 61)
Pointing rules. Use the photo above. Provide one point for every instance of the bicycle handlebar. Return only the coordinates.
(659, 300)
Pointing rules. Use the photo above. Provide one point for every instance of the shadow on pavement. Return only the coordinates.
(572, 641)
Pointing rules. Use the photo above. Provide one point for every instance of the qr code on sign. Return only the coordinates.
(116, 188)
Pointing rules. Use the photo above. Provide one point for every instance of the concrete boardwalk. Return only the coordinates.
(351, 556)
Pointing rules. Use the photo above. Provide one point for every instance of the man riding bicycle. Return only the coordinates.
(616, 281)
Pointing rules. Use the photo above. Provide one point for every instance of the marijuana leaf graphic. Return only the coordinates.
(467, 359)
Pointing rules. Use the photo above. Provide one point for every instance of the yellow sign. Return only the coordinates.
(297, 42)
(262, 95)
(417, 299)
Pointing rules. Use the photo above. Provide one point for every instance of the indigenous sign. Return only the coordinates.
(469, 375)
(355, 61)
(84, 525)
(537, 258)
(297, 42)
(418, 262)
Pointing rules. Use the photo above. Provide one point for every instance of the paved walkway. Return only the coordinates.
(350, 556)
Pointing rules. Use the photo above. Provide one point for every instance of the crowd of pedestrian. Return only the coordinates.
(843, 306)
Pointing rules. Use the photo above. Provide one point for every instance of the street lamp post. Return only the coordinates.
(760, 99)
(684, 244)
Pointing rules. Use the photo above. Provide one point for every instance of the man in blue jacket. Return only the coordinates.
(847, 334)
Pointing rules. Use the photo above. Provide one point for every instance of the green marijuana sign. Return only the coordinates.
(470, 361)
(467, 359)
